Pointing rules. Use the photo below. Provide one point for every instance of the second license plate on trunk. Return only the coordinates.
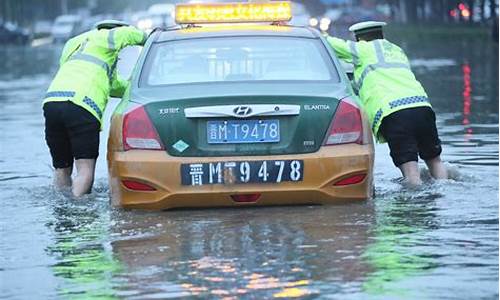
(243, 131)
(238, 172)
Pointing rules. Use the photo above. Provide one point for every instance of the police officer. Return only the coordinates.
(395, 102)
(76, 99)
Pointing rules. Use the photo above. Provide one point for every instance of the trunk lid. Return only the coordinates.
(182, 120)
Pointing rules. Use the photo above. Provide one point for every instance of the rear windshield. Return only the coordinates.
(238, 59)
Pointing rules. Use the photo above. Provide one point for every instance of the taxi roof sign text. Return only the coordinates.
(276, 11)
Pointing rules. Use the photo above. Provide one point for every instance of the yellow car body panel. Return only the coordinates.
(158, 169)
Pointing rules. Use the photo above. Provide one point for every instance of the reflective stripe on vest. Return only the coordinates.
(111, 39)
(396, 103)
(354, 52)
(111, 71)
(377, 118)
(94, 60)
(378, 51)
(93, 105)
(381, 64)
(407, 100)
(79, 55)
(55, 94)
(374, 67)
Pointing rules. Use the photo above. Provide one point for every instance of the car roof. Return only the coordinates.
(228, 30)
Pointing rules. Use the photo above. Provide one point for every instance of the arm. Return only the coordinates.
(118, 86)
(345, 50)
(122, 37)
(118, 39)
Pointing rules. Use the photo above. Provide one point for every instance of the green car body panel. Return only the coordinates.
(299, 134)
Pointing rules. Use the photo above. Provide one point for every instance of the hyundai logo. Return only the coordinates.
(242, 111)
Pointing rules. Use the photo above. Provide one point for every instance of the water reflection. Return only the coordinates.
(402, 224)
(280, 252)
(80, 238)
(467, 100)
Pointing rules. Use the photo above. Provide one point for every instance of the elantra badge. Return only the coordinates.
(242, 111)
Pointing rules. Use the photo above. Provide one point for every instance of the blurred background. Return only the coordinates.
(26, 21)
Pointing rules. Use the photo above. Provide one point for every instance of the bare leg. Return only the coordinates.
(82, 184)
(411, 173)
(437, 168)
(62, 177)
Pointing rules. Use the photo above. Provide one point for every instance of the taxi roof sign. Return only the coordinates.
(196, 13)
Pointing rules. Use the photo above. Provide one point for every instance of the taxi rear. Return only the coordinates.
(238, 115)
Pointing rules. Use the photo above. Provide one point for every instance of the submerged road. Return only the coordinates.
(440, 242)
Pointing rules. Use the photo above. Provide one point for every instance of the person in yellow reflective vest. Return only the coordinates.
(396, 103)
(75, 101)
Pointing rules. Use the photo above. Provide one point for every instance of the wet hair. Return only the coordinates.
(370, 35)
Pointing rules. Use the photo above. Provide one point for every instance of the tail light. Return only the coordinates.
(354, 179)
(139, 132)
(246, 198)
(347, 125)
(137, 186)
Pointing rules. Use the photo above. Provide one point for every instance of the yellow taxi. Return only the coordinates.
(234, 107)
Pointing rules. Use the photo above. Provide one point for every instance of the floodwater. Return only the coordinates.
(440, 242)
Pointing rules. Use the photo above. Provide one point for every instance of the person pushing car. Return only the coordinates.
(75, 101)
(394, 100)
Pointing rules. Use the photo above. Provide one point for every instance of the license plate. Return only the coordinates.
(242, 172)
(243, 131)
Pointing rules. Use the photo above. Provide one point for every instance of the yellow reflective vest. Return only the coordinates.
(383, 78)
(87, 73)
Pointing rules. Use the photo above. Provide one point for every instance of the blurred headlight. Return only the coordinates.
(325, 21)
(324, 27)
(145, 24)
(324, 24)
(313, 22)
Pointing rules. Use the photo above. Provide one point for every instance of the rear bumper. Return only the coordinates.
(321, 170)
